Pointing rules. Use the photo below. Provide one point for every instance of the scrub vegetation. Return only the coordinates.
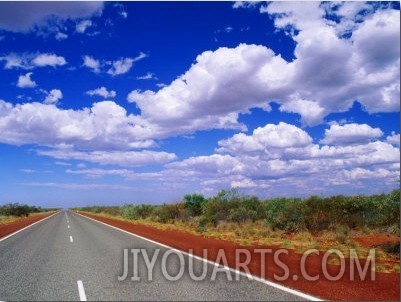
(13, 211)
(314, 222)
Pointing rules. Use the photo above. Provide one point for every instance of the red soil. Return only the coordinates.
(11, 227)
(376, 239)
(385, 286)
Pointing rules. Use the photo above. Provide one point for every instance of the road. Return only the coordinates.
(69, 257)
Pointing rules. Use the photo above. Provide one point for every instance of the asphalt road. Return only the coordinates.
(68, 257)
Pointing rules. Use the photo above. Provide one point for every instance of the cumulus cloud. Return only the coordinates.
(48, 60)
(120, 66)
(91, 63)
(103, 92)
(25, 81)
(229, 81)
(264, 138)
(216, 164)
(350, 134)
(13, 60)
(354, 69)
(53, 96)
(61, 36)
(38, 13)
(393, 139)
(31, 61)
(220, 84)
(82, 26)
(283, 159)
(104, 126)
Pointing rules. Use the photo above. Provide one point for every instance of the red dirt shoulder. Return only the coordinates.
(11, 227)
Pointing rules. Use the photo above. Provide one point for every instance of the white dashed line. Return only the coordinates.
(71, 240)
(81, 290)
(68, 226)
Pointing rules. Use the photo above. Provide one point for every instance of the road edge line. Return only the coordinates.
(250, 276)
(28, 226)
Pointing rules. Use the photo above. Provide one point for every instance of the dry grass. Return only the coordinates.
(257, 233)
(8, 219)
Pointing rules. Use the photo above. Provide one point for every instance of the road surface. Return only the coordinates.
(69, 257)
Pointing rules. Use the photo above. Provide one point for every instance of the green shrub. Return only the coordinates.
(285, 214)
(128, 211)
(193, 203)
(15, 209)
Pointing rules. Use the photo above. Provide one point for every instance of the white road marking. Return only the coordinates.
(81, 290)
(8, 236)
(68, 226)
(256, 278)
(71, 240)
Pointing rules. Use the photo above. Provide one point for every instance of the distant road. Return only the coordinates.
(69, 257)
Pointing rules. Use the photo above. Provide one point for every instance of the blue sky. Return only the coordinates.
(143, 102)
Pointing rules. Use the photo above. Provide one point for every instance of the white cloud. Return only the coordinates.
(82, 26)
(103, 92)
(229, 81)
(350, 134)
(31, 61)
(25, 81)
(48, 60)
(121, 66)
(120, 158)
(61, 36)
(209, 165)
(114, 68)
(311, 112)
(220, 84)
(38, 13)
(53, 96)
(15, 61)
(245, 4)
(357, 68)
(91, 63)
(292, 165)
(394, 139)
(360, 173)
(104, 126)
(147, 76)
(265, 138)
(99, 173)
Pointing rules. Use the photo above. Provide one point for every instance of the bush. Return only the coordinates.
(241, 214)
(144, 211)
(193, 203)
(129, 211)
(232, 206)
(169, 212)
(285, 214)
(15, 209)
